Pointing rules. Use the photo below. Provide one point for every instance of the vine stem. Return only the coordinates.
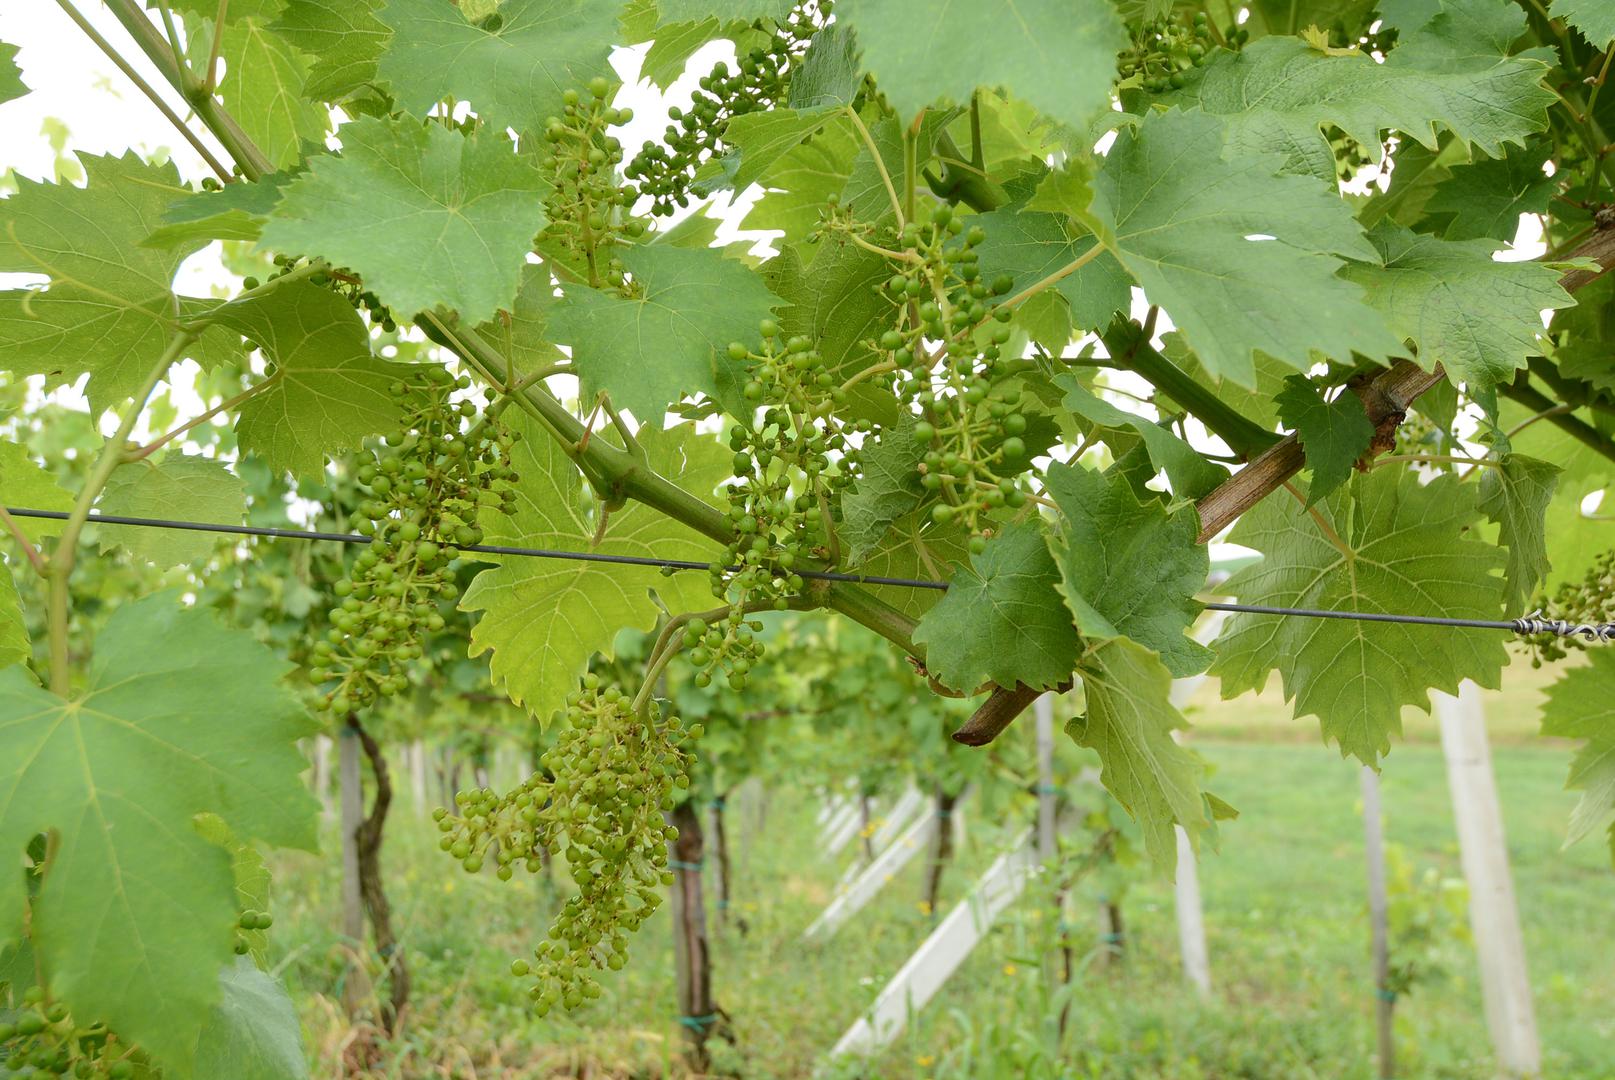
(66, 551)
(210, 80)
(880, 165)
(146, 88)
(1057, 276)
(1322, 522)
(190, 425)
(1437, 459)
(35, 559)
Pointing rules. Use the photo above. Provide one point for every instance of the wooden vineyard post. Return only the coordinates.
(1494, 916)
(1186, 886)
(356, 985)
(697, 1014)
(1379, 918)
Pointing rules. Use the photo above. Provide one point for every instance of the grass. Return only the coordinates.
(1285, 914)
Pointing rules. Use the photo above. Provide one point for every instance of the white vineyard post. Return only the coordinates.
(417, 777)
(865, 885)
(356, 985)
(842, 828)
(1494, 917)
(322, 776)
(1186, 888)
(1379, 918)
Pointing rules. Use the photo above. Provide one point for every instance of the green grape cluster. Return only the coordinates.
(947, 349)
(250, 919)
(589, 210)
(608, 780)
(1164, 50)
(426, 486)
(664, 171)
(42, 1039)
(1590, 600)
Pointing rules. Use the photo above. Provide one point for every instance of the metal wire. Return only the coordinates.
(1531, 624)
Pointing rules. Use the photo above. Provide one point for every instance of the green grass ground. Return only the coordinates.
(1285, 913)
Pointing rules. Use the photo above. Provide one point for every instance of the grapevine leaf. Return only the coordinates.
(236, 212)
(798, 184)
(1580, 706)
(1293, 16)
(137, 910)
(254, 1032)
(1256, 405)
(762, 138)
(1455, 73)
(513, 75)
(829, 73)
(426, 215)
(263, 86)
(675, 43)
(1129, 724)
(1057, 54)
(999, 622)
(344, 38)
(915, 547)
(672, 338)
(1211, 239)
(1484, 199)
(1190, 474)
(1402, 548)
(1515, 497)
(241, 9)
(543, 619)
(522, 334)
(1477, 317)
(887, 488)
(186, 488)
(1031, 245)
(14, 644)
(27, 486)
(1334, 434)
(109, 308)
(1128, 568)
(328, 391)
(1594, 18)
(11, 84)
(673, 11)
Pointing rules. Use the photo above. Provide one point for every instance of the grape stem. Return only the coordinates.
(224, 406)
(35, 559)
(880, 164)
(210, 80)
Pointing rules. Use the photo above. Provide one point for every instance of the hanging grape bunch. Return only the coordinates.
(611, 775)
(1590, 600)
(426, 486)
(43, 1039)
(1164, 50)
(664, 171)
(588, 208)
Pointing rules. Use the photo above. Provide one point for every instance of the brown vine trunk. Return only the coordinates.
(941, 850)
(698, 1015)
(1113, 942)
(720, 844)
(369, 835)
(865, 832)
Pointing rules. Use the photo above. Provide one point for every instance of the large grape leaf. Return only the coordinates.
(26, 486)
(254, 1032)
(1000, 620)
(263, 88)
(541, 618)
(180, 716)
(1515, 496)
(11, 84)
(1594, 18)
(15, 646)
(1129, 724)
(1386, 543)
(1476, 316)
(1334, 434)
(514, 74)
(186, 488)
(1060, 55)
(798, 184)
(1580, 706)
(671, 337)
(1243, 259)
(1128, 568)
(426, 215)
(109, 309)
(328, 391)
(1484, 199)
(887, 488)
(1030, 245)
(1453, 73)
(762, 138)
(915, 547)
(344, 38)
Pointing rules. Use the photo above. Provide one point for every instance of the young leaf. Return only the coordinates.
(543, 619)
(1483, 200)
(263, 88)
(1190, 474)
(186, 488)
(762, 138)
(1515, 496)
(1243, 259)
(1594, 18)
(887, 488)
(254, 1032)
(1477, 317)
(1580, 706)
(137, 910)
(513, 74)
(1128, 568)
(328, 391)
(1129, 724)
(237, 212)
(343, 36)
(426, 215)
(1386, 543)
(1000, 620)
(671, 338)
(1057, 54)
(11, 84)
(1334, 434)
